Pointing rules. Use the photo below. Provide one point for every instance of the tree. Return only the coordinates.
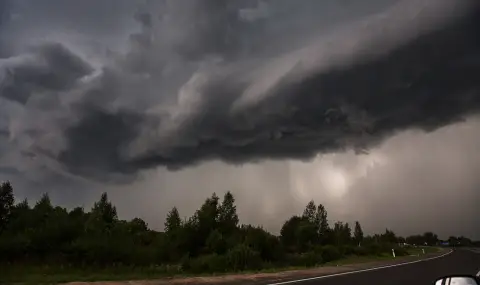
(342, 233)
(6, 203)
(215, 243)
(227, 215)
(261, 241)
(103, 215)
(310, 212)
(77, 213)
(203, 222)
(43, 208)
(322, 223)
(298, 234)
(388, 237)
(358, 233)
(401, 239)
(208, 214)
(209, 241)
(106, 209)
(138, 225)
(288, 233)
(464, 241)
(306, 235)
(173, 221)
(347, 233)
(430, 238)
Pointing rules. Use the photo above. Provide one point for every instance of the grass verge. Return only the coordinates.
(55, 275)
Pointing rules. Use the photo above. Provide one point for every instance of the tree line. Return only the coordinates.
(211, 240)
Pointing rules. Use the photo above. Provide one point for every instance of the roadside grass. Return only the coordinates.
(54, 274)
(364, 259)
(353, 259)
(418, 250)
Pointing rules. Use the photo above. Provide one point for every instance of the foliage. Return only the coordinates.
(209, 241)
(6, 203)
(427, 238)
(358, 233)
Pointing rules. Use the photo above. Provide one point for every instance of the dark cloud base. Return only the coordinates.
(104, 135)
(426, 83)
(57, 70)
(4, 18)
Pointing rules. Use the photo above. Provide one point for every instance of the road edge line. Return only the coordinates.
(359, 271)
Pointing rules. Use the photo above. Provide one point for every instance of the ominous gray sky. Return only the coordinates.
(369, 107)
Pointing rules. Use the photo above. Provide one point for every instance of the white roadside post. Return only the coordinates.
(423, 250)
(393, 253)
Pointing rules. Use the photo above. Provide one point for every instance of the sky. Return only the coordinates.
(370, 108)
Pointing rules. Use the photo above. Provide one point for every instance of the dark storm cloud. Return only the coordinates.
(214, 31)
(97, 140)
(54, 68)
(4, 18)
(99, 17)
(364, 85)
(430, 81)
(9, 170)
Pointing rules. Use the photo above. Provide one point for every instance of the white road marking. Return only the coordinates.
(358, 271)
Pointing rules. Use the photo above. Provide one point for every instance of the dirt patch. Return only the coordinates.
(227, 279)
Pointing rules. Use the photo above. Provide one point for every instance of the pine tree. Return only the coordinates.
(206, 218)
(358, 233)
(310, 212)
(347, 234)
(43, 208)
(227, 214)
(6, 203)
(173, 221)
(322, 222)
(103, 215)
(44, 203)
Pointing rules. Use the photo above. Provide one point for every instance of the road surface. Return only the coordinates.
(425, 272)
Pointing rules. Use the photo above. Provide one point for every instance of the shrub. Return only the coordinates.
(330, 253)
(347, 250)
(400, 251)
(310, 259)
(360, 251)
(205, 264)
(374, 249)
(242, 257)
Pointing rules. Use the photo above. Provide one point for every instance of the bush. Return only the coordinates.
(400, 251)
(374, 249)
(307, 259)
(330, 253)
(211, 263)
(242, 257)
(310, 259)
(13, 248)
(361, 251)
(347, 250)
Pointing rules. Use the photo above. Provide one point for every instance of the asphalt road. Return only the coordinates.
(426, 272)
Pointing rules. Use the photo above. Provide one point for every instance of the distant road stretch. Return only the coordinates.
(460, 261)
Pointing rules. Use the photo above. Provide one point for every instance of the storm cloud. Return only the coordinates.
(350, 89)
(181, 84)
